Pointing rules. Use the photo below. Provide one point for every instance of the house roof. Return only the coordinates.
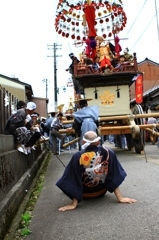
(28, 87)
(148, 60)
(152, 91)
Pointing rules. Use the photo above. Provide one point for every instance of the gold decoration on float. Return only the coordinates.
(107, 98)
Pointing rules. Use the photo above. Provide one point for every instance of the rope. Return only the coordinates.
(52, 151)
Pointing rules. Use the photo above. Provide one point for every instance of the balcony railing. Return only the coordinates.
(81, 69)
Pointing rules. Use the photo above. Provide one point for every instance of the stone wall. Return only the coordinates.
(17, 172)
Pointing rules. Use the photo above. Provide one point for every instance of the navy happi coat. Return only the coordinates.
(91, 172)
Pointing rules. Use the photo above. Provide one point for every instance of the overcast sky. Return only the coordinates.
(27, 27)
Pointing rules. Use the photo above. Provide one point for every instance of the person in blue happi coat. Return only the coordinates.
(85, 119)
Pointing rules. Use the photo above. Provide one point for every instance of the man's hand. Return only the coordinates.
(28, 119)
(69, 207)
(127, 200)
(121, 199)
(66, 208)
(68, 129)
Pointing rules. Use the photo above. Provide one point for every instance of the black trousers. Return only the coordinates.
(33, 139)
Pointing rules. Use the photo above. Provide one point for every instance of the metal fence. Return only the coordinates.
(8, 104)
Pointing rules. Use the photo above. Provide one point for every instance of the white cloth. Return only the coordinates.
(88, 142)
(31, 106)
(28, 118)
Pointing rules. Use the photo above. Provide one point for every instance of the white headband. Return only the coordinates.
(88, 142)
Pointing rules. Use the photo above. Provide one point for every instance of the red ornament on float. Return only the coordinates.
(110, 13)
(114, 8)
(73, 36)
(108, 6)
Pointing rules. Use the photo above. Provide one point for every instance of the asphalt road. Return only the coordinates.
(103, 218)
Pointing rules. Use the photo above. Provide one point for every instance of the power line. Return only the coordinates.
(143, 32)
(136, 17)
(157, 19)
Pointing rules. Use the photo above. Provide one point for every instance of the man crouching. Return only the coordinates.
(92, 172)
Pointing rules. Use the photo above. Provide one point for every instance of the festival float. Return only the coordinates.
(96, 25)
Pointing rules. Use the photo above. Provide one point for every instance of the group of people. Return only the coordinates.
(105, 60)
(51, 129)
(92, 171)
(103, 63)
(23, 126)
(28, 129)
(85, 119)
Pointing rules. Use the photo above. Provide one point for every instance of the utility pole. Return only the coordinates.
(54, 47)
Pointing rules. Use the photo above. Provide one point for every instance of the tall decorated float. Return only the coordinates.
(104, 71)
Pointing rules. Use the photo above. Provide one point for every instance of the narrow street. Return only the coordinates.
(102, 218)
